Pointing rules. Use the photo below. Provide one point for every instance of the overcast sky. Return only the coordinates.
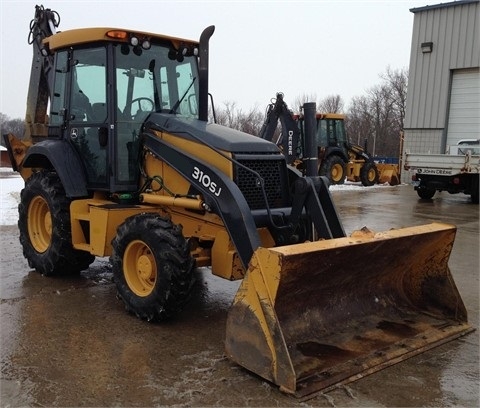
(260, 47)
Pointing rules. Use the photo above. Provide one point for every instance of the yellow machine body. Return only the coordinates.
(95, 220)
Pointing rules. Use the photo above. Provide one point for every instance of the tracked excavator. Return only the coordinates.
(338, 159)
(120, 160)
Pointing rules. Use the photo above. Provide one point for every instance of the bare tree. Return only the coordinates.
(331, 104)
(358, 124)
(300, 100)
(3, 118)
(250, 122)
(398, 82)
(378, 117)
(226, 116)
(382, 117)
(14, 126)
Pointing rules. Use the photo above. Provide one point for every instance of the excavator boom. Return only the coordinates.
(43, 25)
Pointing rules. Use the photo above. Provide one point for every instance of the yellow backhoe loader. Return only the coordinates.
(126, 165)
(337, 158)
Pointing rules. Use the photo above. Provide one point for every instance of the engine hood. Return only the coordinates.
(220, 137)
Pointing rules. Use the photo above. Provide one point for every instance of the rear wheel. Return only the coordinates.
(426, 193)
(334, 168)
(152, 266)
(369, 174)
(474, 192)
(44, 224)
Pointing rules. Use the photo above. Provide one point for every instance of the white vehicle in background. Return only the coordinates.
(456, 171)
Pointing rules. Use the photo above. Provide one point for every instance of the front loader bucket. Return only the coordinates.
(310, 316)
(388, 173)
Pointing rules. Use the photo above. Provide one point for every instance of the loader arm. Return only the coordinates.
(311, 194)
(227, 200)
(359, 152)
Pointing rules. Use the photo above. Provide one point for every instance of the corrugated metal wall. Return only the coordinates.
(453, 28)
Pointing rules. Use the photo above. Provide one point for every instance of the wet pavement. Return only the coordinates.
(69, 341)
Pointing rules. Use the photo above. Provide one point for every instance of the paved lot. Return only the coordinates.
(69, 342)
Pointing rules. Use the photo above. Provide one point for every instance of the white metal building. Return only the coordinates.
(443, 98)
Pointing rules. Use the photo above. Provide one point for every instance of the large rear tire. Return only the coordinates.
(152, 267)
(334, 168)
(369, 174)
(45, 231)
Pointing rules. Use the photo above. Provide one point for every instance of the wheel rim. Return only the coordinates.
(39, 224)
(371, 175)
(337, 172)
(139, 268)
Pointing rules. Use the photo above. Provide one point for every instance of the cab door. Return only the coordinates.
(87, 115)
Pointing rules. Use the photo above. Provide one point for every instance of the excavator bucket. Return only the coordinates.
(311, 316)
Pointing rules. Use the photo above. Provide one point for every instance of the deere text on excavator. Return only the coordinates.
(127, 165)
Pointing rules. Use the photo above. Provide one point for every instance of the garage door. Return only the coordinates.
(464, 114)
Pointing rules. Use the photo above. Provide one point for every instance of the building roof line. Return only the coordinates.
(443, 5)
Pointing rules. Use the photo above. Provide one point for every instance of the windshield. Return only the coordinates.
(150, 81)
(330, 132)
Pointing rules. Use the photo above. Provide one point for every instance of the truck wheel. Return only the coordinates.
(334, 168)
(44, 224)
(474, 193)
(369, 174)
(426, 193)
(152, 266)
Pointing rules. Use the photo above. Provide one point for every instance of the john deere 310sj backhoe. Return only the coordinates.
(127, 166)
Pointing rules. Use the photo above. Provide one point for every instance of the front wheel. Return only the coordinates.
(152, 266)
(369, 174)
(44, 225)
(334, 168)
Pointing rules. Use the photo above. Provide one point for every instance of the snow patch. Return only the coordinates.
(10, 188)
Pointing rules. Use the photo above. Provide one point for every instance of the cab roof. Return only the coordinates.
(78, 36)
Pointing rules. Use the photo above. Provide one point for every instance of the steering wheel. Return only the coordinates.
(145, 105)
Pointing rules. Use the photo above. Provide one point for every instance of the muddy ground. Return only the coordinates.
(69, 342)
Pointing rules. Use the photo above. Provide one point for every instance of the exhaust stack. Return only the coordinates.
(203, 72)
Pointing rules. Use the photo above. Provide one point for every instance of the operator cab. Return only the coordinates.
(330, 134)
(330, 131)
(104, 92)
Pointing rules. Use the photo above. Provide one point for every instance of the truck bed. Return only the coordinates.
(442, 164)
